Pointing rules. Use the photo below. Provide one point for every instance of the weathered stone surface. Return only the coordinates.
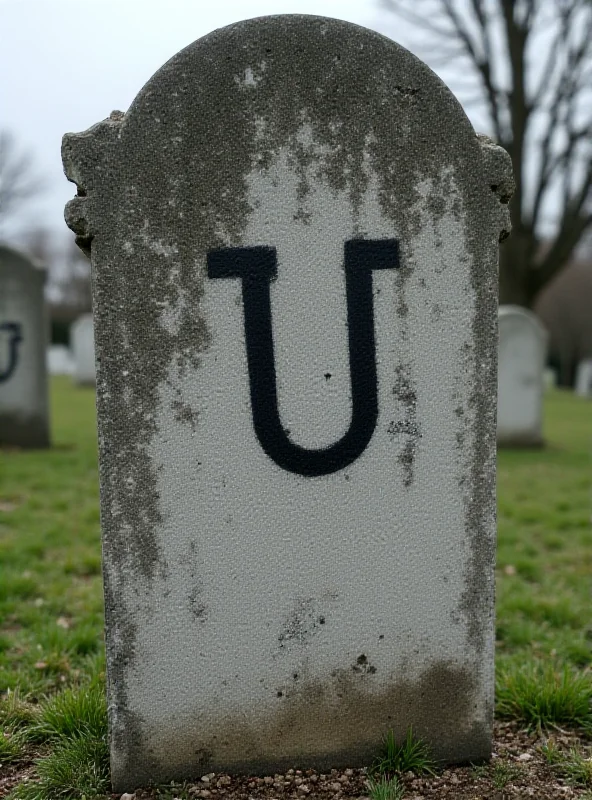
(584, 378)
(24, 406)
(83, 350)
(522, 356)
(287, 576)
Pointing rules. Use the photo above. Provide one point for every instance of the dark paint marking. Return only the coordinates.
(14, 329)
(257, 267)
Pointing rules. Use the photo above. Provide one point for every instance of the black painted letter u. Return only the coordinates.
(257, 267)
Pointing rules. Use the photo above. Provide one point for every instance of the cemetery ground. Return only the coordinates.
(52, 707)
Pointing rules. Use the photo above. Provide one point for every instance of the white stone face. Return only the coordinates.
(83, 349)
(300, 575)
(522, 353)
(23, 336)
(584, 379)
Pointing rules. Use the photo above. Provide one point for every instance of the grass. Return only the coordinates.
(75, 768)
(542, 696)
(72, 725)
(572, 764)
(73, 712)
(385, 788)
(502, 773)
(410, 755)
(11, 747)
(545, 542)
(51, 608)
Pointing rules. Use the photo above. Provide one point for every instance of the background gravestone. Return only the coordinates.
(294, 235)
(59, 360)
(83, 350)
(522, 356)
(584, 378)
(549, 378)
(24, 405)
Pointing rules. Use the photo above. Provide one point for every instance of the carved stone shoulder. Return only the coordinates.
(85, 157)
(499, 174)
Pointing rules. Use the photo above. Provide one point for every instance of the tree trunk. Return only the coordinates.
(516, 286)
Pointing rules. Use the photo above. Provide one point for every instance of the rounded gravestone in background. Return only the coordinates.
(82, 344)
(583, 386)
(522, 356)
(294, 237)
(24, 406)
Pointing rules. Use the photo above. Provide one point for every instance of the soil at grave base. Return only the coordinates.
(527, 774)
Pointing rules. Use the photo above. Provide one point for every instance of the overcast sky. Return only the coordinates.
(66, 64)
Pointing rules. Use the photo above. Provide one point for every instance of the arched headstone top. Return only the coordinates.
(82, 322)
(353, 100)
(20, 264)
(524, 316)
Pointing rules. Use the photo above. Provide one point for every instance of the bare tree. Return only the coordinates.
(19, 181)
(75, 281)
(68, 284)
(523, 68)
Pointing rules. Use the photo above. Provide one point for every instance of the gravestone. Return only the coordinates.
(549, 378)
(83, 350)
(522, 356)
(24, 404)
(59, 360)
(294, 236)
(584, 378)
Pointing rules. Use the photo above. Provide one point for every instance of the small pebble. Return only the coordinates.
(525, 757)
(335, 786)
(268, 779)
(128, 796)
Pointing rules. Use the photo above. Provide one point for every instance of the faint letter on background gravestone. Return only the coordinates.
(294, 234)
(522, 355)
(83, 350)
(24, 405)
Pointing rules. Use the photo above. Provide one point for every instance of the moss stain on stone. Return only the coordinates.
(441, 699)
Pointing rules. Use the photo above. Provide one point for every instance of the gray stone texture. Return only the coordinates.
(258, 619)
(522, 358)
(24, 404)
(82, 344)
